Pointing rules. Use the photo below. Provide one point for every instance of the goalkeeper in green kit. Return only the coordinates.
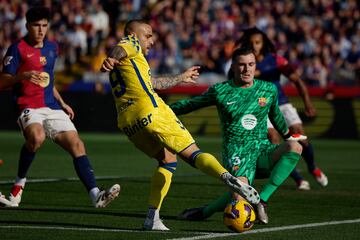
(243, 104)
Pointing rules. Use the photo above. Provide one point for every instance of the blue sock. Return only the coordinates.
(85, 172)
(296, 175)
(26, 158)
(308, 155)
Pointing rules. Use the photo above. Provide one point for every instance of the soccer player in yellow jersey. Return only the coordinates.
(151, 125)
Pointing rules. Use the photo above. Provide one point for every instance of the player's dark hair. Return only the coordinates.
(243, 50)
(268, 46)
(37, 13)
(129, 26)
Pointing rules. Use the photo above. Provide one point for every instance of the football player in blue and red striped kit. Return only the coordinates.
(28, 68)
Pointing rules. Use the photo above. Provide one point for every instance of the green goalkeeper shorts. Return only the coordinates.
(251, 160)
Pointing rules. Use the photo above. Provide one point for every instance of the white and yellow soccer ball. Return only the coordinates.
(239, 216)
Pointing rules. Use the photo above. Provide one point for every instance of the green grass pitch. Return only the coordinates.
(56, 205)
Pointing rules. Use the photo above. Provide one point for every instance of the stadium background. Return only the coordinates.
(321, 38)
(187, 32)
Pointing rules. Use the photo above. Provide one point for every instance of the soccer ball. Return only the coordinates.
(239, 216)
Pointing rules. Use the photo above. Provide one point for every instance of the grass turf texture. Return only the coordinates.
(61, 209)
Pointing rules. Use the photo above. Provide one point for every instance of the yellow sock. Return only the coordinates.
(160, 184)
(208, 164)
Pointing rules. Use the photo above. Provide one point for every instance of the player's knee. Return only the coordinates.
(294, 147)
(34, 142)
(77, 147)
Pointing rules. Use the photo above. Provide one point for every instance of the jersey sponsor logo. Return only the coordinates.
(7, 60)
(262, 101)
(43, 60)
(45, 79)
(230, 103)
(130, 130)
(249, 121)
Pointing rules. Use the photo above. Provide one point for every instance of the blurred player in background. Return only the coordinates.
(243, 105)
(28, 68)
(269, 68)
(151, 125)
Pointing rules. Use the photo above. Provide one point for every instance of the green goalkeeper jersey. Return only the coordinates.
(243, 115)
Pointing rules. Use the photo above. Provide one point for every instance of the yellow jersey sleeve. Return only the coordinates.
(131, 45)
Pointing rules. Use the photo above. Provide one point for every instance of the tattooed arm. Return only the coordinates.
(189, 76)
(117, 53)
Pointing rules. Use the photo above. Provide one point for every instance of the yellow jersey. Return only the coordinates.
(142, 115)
(131, 79)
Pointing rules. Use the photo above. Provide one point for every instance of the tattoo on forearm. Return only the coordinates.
(167, 81)
(118, 53)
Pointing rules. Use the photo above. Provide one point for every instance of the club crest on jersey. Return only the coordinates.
(262, 101)
(43, 61)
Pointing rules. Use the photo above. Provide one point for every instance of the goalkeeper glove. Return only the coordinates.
(294, 137)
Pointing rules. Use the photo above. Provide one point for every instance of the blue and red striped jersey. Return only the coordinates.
(271, 68)
(22, 57)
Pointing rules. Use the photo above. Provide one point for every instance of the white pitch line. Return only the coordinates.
(94, 229)
(273, 229)
(205, 235)
(50, 180)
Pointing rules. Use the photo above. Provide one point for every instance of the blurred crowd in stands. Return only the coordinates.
(320, 37)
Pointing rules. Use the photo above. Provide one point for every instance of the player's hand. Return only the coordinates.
(68, 110)
(191, 74)
(296, 137)
(310, 111)
(108, 64)
(32, 76)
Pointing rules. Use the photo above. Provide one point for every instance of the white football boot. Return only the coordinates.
(153, 221)
(261, 214)
(4, 202)
(154, 225)
(303, 185)
(245, 190)
(320, 177)
(105, 197)
(15, 195)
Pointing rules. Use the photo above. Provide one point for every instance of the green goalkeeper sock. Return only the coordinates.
(279, 173)
(217, 205)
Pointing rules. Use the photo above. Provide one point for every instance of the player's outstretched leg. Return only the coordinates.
(208, 164)
(204, 212)
(193, 214)
(104, 197)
